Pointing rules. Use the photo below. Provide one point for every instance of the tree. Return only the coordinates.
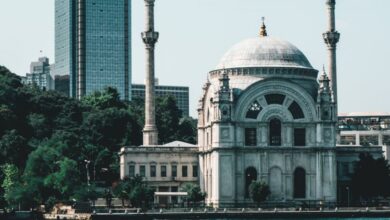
(13, 148)
(10, 179)
(259, 191)
(86, 193)
(167, 119)
(140, 193)
(187, 131)
(371, 177)
(108, 98)
(65, 179)
(194, 193)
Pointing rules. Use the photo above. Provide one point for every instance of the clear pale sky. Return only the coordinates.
(194, 34)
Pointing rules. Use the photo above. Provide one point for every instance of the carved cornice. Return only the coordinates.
(267, 72)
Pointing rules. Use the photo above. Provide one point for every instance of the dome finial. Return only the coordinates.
(263, 31)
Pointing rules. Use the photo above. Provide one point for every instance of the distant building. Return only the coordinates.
(366, 129)
(93, 45)
(40, 74)
(61, 84)
(181, 93)
(162, 172)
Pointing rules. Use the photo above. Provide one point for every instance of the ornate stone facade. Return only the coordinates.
(267, 119)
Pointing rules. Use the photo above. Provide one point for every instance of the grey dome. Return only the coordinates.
(264, 52)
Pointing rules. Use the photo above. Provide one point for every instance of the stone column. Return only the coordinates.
(149, 37)
(331, 38)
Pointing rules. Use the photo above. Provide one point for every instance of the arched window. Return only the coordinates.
(299, 183)
(296, 110)
(275, 132)
(250, 176)
(253, 110)
(275, 99)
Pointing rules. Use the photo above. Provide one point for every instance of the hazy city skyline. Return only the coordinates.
(194, 35)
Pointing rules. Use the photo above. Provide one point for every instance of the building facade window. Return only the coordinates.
(142, 170)
(163, 171)
(250, 176)
(296, 110)
(131, 170)
(174, 199)
(194, 170)
(174, 170)
(153, 170)
(348, 139)
(299, 183)
(275, 99)
(184, 171)
(250, 137)
(299, 137)
(275, 132)
(253, 110)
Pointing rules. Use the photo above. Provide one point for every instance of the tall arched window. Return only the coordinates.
(250, 176)
(299, 183)
(275, 132)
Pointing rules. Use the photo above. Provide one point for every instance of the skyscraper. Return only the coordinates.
(39, 74)
(93, 45)
(181, 94)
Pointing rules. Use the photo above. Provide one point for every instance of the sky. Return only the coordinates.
(194, 35)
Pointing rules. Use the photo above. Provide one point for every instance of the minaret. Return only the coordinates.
(331, 38)
(149, 36)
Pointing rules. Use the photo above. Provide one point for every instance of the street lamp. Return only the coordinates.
(87, 162)
(347, 188)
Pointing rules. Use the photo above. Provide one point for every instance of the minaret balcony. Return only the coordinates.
(331, 38)
(149, 37)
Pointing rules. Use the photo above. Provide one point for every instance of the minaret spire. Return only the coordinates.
(331, 38)
(263, 30)
(149, 37)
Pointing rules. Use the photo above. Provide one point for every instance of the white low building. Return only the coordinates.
(165, 167)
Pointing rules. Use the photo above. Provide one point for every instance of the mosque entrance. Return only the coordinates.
(300, 183)
(250, 176)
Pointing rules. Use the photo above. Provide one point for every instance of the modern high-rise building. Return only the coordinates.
(61, 84)
(39, 74)
(181, 94)
(93, 45)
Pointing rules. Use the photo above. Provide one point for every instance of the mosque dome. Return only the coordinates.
(265, 57)
(264, 52)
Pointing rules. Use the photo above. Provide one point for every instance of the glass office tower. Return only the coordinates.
(93, 45)
(181, 94)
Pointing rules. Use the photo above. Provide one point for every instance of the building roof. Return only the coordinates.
(264, 52)
(179, 144)
(364, 114)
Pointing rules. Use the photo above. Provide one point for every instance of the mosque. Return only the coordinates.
(265, 115)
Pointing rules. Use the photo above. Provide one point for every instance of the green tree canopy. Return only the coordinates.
(194, 193)
(48, 137)
(259, 191)
(167, 119)
(371, 177)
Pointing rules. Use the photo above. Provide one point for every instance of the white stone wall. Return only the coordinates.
(225, 157)
(161, 156)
